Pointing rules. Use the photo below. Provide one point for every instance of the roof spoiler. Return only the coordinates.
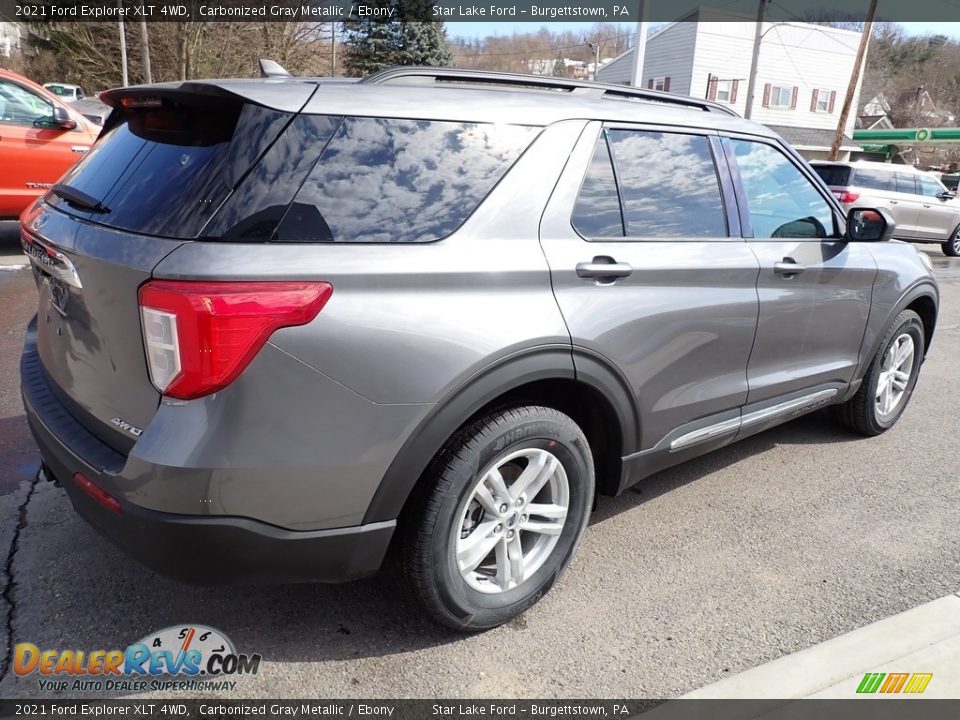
(271, 68)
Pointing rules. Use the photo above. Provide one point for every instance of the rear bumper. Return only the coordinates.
(199, 549)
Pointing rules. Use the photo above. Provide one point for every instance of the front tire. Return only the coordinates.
(951, 247)
(504, 507)
(890, 380)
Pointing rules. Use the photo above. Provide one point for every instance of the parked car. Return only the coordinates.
(66, 93)
(923, 208)
(283, 325)
(93, 110)
(40, 138)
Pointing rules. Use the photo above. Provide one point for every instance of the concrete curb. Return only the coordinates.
(924, 639)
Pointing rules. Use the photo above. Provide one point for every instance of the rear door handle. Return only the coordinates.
(894, 202)
(788, 267)
(604, 267)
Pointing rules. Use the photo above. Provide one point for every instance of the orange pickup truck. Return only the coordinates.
(40, 138)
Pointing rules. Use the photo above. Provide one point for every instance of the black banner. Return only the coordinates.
(534, 11)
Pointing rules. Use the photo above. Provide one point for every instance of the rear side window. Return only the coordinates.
(668, 185)
(905, 183)
(597, 211)
(836, 175)
(873, 179)
(165, 171)
(385, 180)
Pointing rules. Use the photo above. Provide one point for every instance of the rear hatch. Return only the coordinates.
(167, 160)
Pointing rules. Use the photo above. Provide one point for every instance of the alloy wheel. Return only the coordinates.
(511, 520)
(895, 371)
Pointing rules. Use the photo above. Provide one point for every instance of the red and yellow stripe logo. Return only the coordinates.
(888, 683)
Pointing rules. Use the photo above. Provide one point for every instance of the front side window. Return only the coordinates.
(19, 106)
(668, 185)
(929, 187)
(384, 180)
(660, 83)
(782, 202)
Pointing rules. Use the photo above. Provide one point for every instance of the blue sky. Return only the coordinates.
(482, 29)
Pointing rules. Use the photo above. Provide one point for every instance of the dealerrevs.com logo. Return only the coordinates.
(197, 657)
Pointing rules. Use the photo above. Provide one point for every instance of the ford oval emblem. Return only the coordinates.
(41, 220)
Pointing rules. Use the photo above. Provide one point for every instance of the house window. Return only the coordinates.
(781, 96)
(823, 100)
(724, 90)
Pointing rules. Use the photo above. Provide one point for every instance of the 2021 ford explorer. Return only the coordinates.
(285, 323)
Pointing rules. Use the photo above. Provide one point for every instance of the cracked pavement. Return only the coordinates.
(753, 552)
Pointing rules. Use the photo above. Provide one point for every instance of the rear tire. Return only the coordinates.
(504, 507)
(951, 247)
(890, 380)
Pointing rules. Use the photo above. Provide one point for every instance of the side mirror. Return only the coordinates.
(947, 195)
(870, 225)
(60, 120)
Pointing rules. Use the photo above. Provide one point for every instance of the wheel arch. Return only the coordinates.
(594, 395)
(923, 299)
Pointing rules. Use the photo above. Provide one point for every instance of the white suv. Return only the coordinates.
(925, 210)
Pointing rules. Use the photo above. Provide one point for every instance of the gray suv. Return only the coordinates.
(287, 325)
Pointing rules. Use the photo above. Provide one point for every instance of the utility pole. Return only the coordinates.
(757, 39)
(123, 49)
(854, 79)
(640, 46)
(333, 49)
(596, 57)
(145, 44)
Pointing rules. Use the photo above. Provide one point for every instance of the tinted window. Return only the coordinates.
(384, 180)
(668, 184)
(874, 179)
(929, 186)
(166, 171)
(783, 203)
(255, 209)
(597, 212)
(905, 183)
(836, 175)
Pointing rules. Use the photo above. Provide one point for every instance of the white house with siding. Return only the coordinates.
(802, 72)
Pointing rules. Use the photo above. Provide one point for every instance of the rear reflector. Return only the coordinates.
(98, 493)
(199, 336)
(846, 197)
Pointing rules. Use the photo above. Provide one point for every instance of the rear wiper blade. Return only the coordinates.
(78, 198)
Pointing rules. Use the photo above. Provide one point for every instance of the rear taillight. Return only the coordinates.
(199, 336)
(846, 197)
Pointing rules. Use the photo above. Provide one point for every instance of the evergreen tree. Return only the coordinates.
(409, 37)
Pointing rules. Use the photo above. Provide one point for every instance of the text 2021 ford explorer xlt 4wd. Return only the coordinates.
(285, 323)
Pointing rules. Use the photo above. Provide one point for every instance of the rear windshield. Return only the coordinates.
(165, 171)
(835, 175)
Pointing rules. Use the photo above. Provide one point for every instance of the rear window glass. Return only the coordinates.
(874, 179)
(386, 180)
(165, 171)
(833, 174)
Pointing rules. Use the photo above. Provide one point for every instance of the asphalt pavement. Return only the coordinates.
(749, 554)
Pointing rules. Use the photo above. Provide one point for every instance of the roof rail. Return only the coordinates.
(414, 75)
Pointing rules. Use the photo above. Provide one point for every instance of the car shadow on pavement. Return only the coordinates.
(818, 428)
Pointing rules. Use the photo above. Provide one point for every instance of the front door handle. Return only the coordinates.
(788, 267)
(604, 267)
(894, 202)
